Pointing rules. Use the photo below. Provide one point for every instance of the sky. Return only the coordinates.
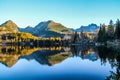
(70, 13)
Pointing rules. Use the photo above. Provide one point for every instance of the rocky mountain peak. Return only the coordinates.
(9, 26)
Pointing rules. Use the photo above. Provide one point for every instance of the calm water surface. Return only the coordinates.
(58, 63)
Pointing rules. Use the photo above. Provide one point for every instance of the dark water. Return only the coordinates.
(59, 63)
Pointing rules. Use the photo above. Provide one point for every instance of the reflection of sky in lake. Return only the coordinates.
(71, 68)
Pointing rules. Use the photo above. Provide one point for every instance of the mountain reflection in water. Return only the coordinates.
(9, 55)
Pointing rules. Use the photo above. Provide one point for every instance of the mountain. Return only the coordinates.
(11, 29)
(48, 57)
(27, 29)
(8, 27)
(90, 28)
(47, 29)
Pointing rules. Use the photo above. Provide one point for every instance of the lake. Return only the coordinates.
(59, 63)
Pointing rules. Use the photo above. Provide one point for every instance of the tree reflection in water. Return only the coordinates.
(84, 52)
(50, 56)
(9, 55)
(113, 56)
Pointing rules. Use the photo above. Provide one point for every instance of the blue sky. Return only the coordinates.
(71, 13)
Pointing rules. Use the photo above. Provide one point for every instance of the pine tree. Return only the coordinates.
(76, 38)
(82, 35)
(102, 36)
(117, 30)
(111, 30)
(99, 35)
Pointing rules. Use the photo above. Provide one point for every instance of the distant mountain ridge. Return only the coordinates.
(90, 28)
(43, 29)
(47, 29)
(27, 29)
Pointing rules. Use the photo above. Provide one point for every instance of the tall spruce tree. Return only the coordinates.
(102, 36)
(76, 38)
(82, 35)
(117, 30)
(111, 30)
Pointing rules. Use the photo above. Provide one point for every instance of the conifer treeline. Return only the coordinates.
(109, 32)
(28, 39)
